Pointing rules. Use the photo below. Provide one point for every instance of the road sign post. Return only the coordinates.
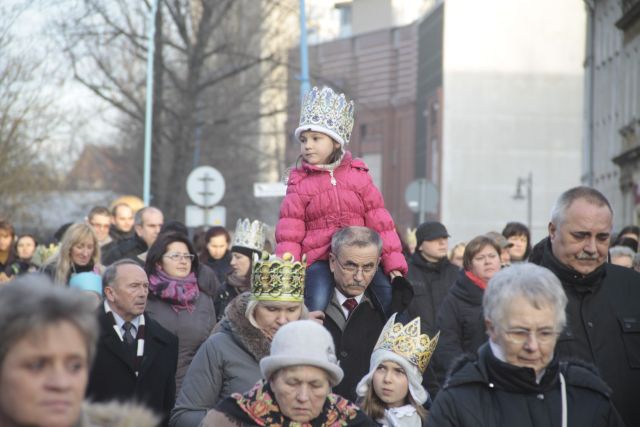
(205, 187)
(422, 197)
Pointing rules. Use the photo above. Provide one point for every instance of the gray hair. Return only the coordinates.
(539, 286)
(30, 303)
(565, 200)
(355, 236)
(110, 275)
(622, 251)
(138, 218)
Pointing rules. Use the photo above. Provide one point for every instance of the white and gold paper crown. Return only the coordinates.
(274, 279)
(407, 342)
(250, 235)
(327, 112)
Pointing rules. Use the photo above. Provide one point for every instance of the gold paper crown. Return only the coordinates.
(278, 279)
(249, 235)
(329, 111)
(407, 342)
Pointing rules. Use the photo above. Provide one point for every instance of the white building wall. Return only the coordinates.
(512, 105)
(616, 105)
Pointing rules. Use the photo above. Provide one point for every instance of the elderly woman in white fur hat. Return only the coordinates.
(392, 392)
(296, 390)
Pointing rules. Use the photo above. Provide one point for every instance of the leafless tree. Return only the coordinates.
(27, 121)
(216, 64)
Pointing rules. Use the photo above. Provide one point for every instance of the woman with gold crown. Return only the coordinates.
(228, 362)
(392, 392)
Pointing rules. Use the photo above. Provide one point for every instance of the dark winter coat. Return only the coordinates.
(461, 324)
(127, 248)
(228, 291)
(355, 338)
(112, 375)
(191, 328)
(221, 266)
(485, 392)
(603, 327)
(431, 282)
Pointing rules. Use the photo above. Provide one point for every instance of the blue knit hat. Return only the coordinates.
(87, 281)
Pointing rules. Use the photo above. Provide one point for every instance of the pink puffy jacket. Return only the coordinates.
(314, 209)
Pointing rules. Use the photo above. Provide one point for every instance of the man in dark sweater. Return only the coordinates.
(603, 313)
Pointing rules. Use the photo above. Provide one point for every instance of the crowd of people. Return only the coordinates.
(137, 321)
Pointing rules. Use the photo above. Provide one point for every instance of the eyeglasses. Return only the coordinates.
(353, 269)
(177, 257)
(521, 336)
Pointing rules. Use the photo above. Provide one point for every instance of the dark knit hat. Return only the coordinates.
(430, 230)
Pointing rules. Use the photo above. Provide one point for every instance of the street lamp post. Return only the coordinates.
(305, 85)
(148, 119)
(528, 182)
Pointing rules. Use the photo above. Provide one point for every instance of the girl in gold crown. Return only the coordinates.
(392, 392)
(329, 191)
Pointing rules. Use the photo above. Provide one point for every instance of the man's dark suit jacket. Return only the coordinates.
(112, 376)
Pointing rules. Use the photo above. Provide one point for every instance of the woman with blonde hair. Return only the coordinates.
(78, 252)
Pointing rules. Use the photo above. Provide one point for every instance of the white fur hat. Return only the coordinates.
(303, 342)
(418, 392)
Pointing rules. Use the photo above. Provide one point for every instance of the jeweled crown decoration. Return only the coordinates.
(249, 235)
(274, 279)
(407, 342)
(326, 109)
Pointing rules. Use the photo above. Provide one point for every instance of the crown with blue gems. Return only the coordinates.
(274, 279)
(249, 235)
(325, 111)
(407, 342)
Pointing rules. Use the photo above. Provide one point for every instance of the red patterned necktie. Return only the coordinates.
(350, 304)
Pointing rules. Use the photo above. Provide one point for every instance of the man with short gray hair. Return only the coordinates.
(354, 316)
(136, 358)
(603, 312)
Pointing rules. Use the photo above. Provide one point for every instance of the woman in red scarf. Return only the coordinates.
(181, 295)
(460, 318)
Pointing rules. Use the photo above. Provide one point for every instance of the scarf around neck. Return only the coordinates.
(476, 280)
(179, 292)
(260, 406)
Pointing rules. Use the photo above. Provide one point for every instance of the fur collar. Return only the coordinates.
(115, 414)
(243, 332)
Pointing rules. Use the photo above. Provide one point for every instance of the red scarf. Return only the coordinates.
(476, 280)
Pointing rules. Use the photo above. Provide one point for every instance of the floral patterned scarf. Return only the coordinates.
(179, 292)
(259, 405)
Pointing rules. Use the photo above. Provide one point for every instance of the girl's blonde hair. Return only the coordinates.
(75, 234)
(374, 407)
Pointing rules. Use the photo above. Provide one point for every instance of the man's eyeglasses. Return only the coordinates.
(353, 269)
(521, 336)
(174, 256)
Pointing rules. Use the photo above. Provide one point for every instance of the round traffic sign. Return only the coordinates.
(205, 186)
(422, 195)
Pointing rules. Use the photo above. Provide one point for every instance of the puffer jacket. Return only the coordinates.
(319, 202)
(482, 391)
